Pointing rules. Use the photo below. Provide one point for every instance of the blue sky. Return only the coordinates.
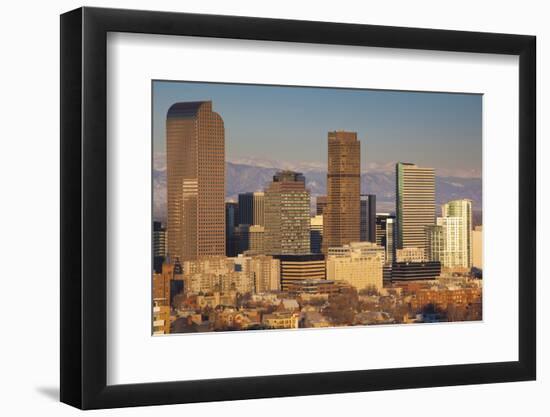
(438, 130)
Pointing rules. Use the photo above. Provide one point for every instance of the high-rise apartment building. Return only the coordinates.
(342, 220)
(251, 208)
(462, 209)
(415, 204)
(368, 218)
(195, 154)
(287, 221)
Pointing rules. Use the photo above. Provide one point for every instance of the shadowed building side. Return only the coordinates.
(195, 153)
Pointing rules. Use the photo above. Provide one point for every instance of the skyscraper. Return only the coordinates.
(316, 233)
(445, 243)
(320, 204)
(287, 215)
(462, 209)
(368, 218)
(415, 204)
(195, 153)
(385, 234)
(251, 208)
(159, 246)
(343, 212)
(231, 222)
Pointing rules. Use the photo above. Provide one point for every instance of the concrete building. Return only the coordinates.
(301, 267)
(446, 243)
(161, 318)
(316, 233)
(360, 265)
(287, 215)
(415, 271)
(368, 218)
(320, 204)
(195, 154)
(250, 238)
(281, 320)
(264, 271)
(410, 255)
(415, 204)
(342, 222)
(251, 208)
(462, 209)
(362, 248)
(215, 273)
(477, 247)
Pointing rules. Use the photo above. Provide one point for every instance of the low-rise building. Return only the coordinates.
(281, 320)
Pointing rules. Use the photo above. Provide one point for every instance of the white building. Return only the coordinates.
(463, 210)
(446, 243)
(359, 264)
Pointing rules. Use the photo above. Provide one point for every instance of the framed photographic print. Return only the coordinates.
(256, 208)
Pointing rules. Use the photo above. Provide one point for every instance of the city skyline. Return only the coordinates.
(445, 128)
(277, 256)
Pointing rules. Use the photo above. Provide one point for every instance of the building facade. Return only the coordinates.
(320, 204)
(358, 264)
(462, 209)
(301, 267)
(368, 218)
(316, 233)
(342, 220)
(477, 247)
(195, 154)
(415, 204)
(445, 243)
(231, 222)
(251, 208)
(385, 234)
(287, 209)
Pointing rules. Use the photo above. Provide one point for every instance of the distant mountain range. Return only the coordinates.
(241, 177)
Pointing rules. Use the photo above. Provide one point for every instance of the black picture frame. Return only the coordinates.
(84, 207)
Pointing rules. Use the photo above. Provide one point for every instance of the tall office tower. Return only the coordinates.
(477, 247)
(231, 222)
(368, 218)
(159, 246)
(462, 209)
(320, 204)
(342, 222)
(385, 234)
(287, 215)
(316, 233)
(415, 204)
(251, 208)
(195, 153)
(250, 239)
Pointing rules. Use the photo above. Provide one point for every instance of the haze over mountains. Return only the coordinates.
(245, 175)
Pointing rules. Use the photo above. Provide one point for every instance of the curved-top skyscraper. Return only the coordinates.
(195, 156)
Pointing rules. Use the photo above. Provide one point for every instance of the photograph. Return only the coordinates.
(295, 207)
